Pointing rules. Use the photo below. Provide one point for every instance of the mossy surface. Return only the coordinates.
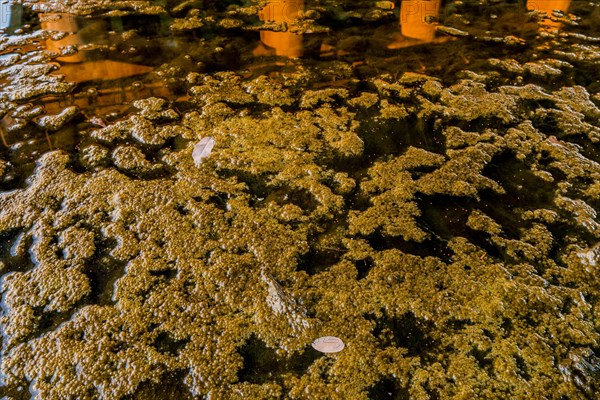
(442, 223)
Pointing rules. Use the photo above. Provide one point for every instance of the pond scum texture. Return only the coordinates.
(445, 230)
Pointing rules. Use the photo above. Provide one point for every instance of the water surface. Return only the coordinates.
(419, 179)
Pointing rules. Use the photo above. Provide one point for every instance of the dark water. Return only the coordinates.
(420, 178)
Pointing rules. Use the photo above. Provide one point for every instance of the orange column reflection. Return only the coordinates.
(413, 16)
(62, 22)
(413, 22)
(548, 6)
(79, 67)
(286, 44)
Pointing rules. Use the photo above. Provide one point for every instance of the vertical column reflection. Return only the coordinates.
(548, 6)
(413, 16)
(81, 66)
(11, 14)
(68, 23)
(285, 44)
(414, 25)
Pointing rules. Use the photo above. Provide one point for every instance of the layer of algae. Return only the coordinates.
(446, 232)
(194, 249)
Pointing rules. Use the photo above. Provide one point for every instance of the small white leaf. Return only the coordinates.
(202, 149)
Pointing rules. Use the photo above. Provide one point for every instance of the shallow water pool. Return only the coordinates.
(419, 179)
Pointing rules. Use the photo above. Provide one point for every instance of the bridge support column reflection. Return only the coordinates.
(414, 28)
(413, 18)
(82, 66)
(548, 6)
(68, 23)
(287, 44)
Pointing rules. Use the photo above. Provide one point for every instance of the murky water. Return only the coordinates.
(419, 179)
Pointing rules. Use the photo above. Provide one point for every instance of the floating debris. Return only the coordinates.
(448, 30)
(282, 303)
(328, 344)
(202, 149)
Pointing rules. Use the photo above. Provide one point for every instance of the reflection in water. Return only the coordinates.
(10, 15)
(67, 23)
(548, 6)
(72, 39)
(102, 69)
(285, 44)
(108, 100)
(415, 24)
(76, 65)
(413, 18)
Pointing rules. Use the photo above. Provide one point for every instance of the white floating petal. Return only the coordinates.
(328, 344)
(202, 149)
